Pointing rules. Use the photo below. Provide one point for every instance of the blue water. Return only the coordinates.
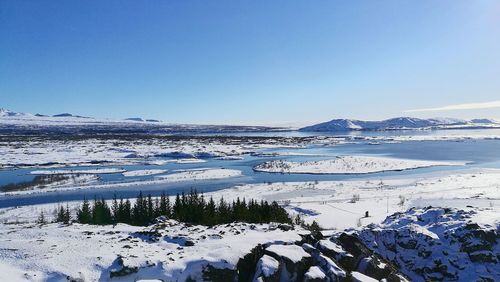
(482, 154)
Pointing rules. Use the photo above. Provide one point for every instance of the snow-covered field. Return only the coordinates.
(173, 252)
(200, 174)
(111, 150)
(53, 252)
(29, 151)
(373, 209)
(144, 172)
(181, 176)
(78, 171)
(342, 204)
(348, 165)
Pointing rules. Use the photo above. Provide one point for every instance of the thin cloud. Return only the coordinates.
(470, 106)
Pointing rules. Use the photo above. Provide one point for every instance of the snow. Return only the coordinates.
(90, 252)
(182, 176)
(12, 274)
(360, 277)
(204, 174)
(67, 181)
(48, 151)
(54, 251)
(267, 266)
(314, 272)
(293, 252)
(327, 244)
(48, 247)
(144, 172)
(78, 171)
(331, 203)
(69, 123)
(348, 165)
(229, 158)
(400, 123)
(190, 161)
(442, 240)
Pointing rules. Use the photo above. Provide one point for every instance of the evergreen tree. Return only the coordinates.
(168, 207)
(41, 219)
(211, 213)
(126, 216)
(223, 211)
(63, 215)
(84, 214)
(150, 208)
(60, 214)
(101, 213)
(157, 211)
(165, 208)
(191, 208)
(315, 230)
(67, 214)
(115, 209)
(176, 210)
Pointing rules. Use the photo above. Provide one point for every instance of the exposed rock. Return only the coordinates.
(434, 244)
(315, 274)
(120, 269)
(294, 261)
(335, 251)
(211, 273)
(247, 265)
(326, 264)
(268, 269)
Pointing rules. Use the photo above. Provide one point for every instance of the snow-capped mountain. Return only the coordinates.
(400, 123)
(8, 113)
(484, 120)
(14, 122)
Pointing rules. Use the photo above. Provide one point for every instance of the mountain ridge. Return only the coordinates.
(400, 123)
(66, 123)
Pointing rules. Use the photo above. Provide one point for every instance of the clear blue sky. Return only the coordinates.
(260, 62)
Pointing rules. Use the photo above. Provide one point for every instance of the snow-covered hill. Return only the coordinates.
(436, 244)
(13, 122)
(401, 123)
(429, 244)
(348, 165)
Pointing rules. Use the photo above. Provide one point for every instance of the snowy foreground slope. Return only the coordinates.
(458, 241)
(439, 244)
(417, 245)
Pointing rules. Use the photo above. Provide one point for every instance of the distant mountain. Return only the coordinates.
(63, 115)
(66, 115)
(25, 123)
(142, 120)
(484, 120)
(400, 123)
(135, 119)
(8, 113)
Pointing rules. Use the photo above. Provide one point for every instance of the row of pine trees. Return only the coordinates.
(190, 208)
